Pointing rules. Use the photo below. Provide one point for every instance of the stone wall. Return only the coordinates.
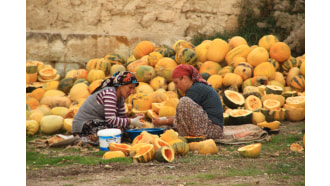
(74, 31)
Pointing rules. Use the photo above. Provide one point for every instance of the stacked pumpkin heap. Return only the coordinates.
(147, 147)
(261, 84)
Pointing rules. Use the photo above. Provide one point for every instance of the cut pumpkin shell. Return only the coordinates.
(271, 104)
(294, 113)
(297, 101)
(165, 154)
(145, 153)
(274, 125)
(250, 151)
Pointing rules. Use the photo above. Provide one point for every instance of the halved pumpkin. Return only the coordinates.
(250, 151)
(125, 148)
(297, 101)
(169, 135)
(233, 99)
(271, 104)
(48, 73)
(279, 114)
(273, 89)
(289, 93)
(240, 116)
(253, 103)
(145, 153)
(158, 143)
(165, 154)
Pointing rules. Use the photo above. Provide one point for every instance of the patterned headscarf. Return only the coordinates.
(118, 79)
(188, 70)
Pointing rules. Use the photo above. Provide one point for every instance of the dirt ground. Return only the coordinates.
(206, 172)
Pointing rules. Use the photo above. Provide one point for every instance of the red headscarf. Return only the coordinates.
(188, 70)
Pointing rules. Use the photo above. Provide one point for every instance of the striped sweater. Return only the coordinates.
(101, 105)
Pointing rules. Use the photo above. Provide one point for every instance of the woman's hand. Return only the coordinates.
(160, 121)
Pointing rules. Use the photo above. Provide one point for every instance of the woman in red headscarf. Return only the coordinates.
(199, 112)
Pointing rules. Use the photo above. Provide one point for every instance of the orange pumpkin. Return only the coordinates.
(143, 48)
(232, 79)
(280, 51)
(132, 67)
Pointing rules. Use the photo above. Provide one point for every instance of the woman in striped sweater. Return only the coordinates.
(105, 108)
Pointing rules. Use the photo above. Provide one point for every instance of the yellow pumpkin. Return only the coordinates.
(215, 80)
(257, 56)
(165, 67)
(113, 154)
(166, 111)
(67, 124)
(265, 69)
(158, 82)
(236, 41)
(95, 74)
(207, 147)
(153, 58)
(217, 51)
(51, 124)
(59, 111)
(79, 91)
(32, 127)
(267, 41)
(201, 51)
(232, 79)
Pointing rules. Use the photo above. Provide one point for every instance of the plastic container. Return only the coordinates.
(135, 132)
(107, 136)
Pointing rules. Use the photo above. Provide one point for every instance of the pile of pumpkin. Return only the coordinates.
(261, 84)
(146, 147)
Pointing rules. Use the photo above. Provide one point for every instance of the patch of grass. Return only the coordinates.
(85, 180)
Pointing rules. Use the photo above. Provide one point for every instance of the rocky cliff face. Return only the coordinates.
(63, 31)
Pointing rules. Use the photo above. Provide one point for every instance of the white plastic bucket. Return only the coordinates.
(107, 136)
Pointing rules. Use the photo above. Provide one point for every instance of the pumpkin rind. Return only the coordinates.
(123, 147)
(272, 89)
